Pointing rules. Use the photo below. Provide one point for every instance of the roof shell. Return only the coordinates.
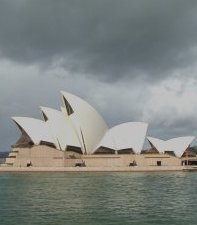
(61, 128)
(88, 123)
(36, 129)
(178, 145)
(125, 135)
(159, 144)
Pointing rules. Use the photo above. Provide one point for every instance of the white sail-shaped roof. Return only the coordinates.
(107, 141)
(76, 127)
(36, 129)
(159, 144)
(124, 136)
(88, 123)
(61, 128)
(177, 145)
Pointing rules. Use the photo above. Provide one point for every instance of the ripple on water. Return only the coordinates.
(98, 198)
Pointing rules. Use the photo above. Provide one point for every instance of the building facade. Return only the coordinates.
(77, 135)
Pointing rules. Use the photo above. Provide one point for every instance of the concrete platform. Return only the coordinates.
(95, 169)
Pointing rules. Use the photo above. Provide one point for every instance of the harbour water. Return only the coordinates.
(98, 198)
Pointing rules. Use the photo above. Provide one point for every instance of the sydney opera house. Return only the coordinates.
(77, 136)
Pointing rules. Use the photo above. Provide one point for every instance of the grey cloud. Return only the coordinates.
(109, 52)
(179, 128)
(109, 39)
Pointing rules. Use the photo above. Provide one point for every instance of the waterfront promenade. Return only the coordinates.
(96, 169)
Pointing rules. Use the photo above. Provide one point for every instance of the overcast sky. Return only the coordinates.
(133, 60)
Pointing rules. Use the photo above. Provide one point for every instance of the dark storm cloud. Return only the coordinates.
(123, 45)
(178, 128)
(110, 38)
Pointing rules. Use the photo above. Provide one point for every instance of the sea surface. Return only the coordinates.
(98, 198)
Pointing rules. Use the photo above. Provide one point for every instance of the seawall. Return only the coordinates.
(96, 169)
